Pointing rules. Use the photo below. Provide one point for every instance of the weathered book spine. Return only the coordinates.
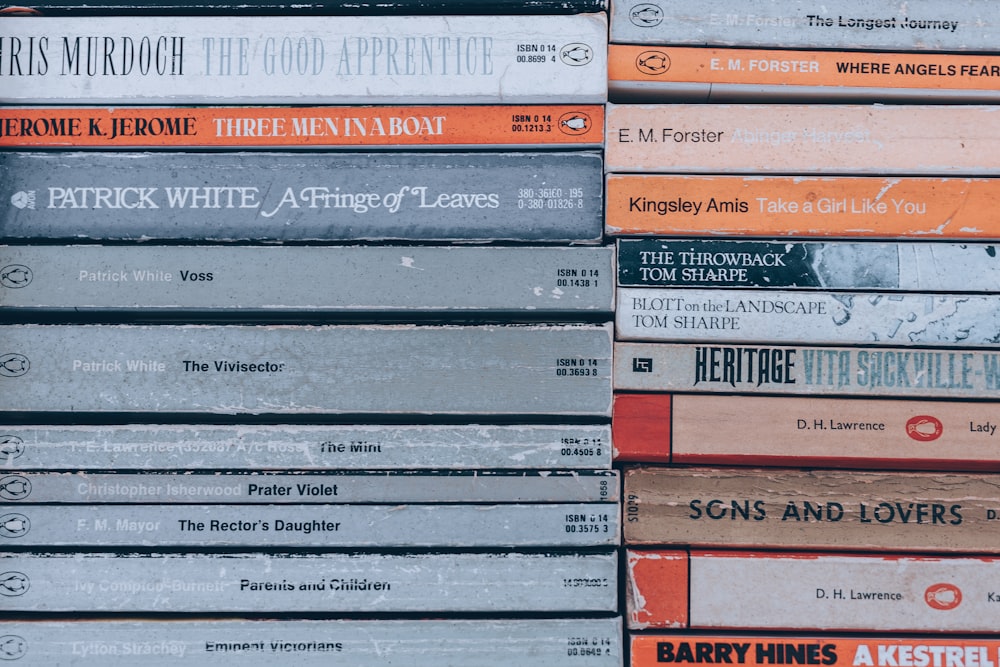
(835, 318)
(804, 431)
(817, 509)
(427, 197)
(905, 266)
(319, 7)
(382, 127)
(761, 649)
(770, 206)
(201, 583)
(305, 60)
(364, 369)
(894, 25)
(316, 643)
(811, 591)
(334, 487)
(808, 139)
(834, 371)
(465, 526)
(304, 447)
(701, 74)
(349, 281)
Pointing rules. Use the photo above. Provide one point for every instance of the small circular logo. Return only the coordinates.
(14, 487)
(924, 428)
(576, 54)
(12, 647)
(943, 596)
(23, 199)
(15, 276)
(14, 525)
(13, 365)
(13, 583)
(646, 15)
(652, 62)
(575, 122)
(11, 447)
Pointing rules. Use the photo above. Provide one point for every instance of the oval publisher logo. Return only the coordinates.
(924, 428)
(14, 525)
(943, 596)
(576, 54)
(653, 63)
(13, 583)
(13, 365)
(11, 447)
(575, 122)
(15, 276)
(15, 487)
(12, 647)
(646, 15)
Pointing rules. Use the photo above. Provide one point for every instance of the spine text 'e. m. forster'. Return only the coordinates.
(918, 140)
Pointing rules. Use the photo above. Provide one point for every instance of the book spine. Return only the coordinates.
(305, 127)
(406, 280)
(315, 643)
(837, 318)
(334, 487)
(834, 371)
(808, 139)
(464, 526)
(818, 509)
(312, 60)
(427, 197)
(700, 74)
(304, 447)
(761, 649)
(319, 8)
(769, 206)
(806, 431)
(811, 591)
(913, 266)
(331, 582)
(895, 25)
(506, 369)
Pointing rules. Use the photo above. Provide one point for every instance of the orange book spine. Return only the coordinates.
(375, 127)
(871, 207)
(720, 429)
(718, 74)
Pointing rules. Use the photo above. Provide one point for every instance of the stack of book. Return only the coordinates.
(808, 318)
(312, 382)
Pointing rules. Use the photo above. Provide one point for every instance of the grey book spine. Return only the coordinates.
(401, 369)
(309, 643)
(296, 526)
(918, 25)
(871, 265)
(534, 197)
(755, 316)
(304, 447)
(334, 280)
(306, 60)
(330, 582)
(336, 487)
